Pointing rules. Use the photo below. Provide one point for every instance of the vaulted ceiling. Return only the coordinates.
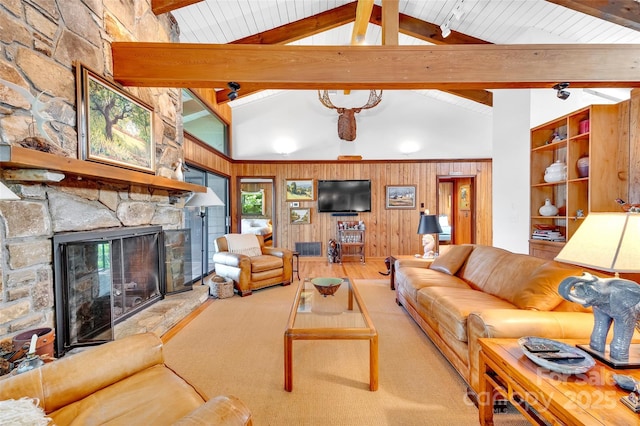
(407, 23)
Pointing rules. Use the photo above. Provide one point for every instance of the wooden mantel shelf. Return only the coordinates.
(23, 158)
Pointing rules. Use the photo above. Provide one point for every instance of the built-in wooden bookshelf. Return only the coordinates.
(599, 132)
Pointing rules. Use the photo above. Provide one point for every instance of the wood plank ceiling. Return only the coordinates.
(343, 22)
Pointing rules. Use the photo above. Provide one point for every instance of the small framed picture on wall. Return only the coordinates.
(401, 197)
(300, 216)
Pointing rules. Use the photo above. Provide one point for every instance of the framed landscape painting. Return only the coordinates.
(300, 216)
(300, 190)
(114, 127)
(401, 197)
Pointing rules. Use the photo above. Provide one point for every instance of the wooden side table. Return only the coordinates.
(295, 267)
(591, 398)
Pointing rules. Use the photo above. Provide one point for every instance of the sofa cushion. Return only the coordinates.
(452, 306)
(452, 260)
(480, 265)
(411, 279)
(153, 396)
(510, 274)
(265, 263)
(540, 290)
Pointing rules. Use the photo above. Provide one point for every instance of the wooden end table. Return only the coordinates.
(591, 398)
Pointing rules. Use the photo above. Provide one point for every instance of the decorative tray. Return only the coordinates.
(556, 356)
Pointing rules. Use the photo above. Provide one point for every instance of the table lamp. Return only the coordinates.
(203, 200)
(608, 242)
(428, 226)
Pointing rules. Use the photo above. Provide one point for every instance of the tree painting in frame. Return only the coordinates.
(116, 128)
(300, 190)
(401, 197)
(300, 216)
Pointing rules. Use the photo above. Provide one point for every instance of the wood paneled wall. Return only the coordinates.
(634, 154)
(388, 231)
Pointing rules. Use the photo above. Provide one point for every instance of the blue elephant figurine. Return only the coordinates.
(614, 300)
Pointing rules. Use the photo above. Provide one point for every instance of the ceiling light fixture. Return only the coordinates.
(446, 31)
(562, 94)
(234, 87)
(456, 13)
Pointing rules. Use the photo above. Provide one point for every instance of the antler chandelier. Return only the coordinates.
(346, 116)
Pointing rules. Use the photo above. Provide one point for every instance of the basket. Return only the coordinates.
(220, 289)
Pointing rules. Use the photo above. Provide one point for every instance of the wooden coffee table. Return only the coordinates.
(342, 316)
(591, 398)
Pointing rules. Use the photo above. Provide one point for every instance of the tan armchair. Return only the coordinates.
(250, 264)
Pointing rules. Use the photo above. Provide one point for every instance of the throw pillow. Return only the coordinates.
(540, 291)
(452, 260)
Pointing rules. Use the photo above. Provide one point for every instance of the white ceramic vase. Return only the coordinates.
(556, 172)
(548, 209)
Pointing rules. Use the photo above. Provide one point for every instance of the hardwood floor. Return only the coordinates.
(320, 267)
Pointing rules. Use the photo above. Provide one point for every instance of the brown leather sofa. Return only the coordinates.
(124, 382)
(269, 266)
(475, 291)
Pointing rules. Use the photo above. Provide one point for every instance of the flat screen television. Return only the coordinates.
(344, 196)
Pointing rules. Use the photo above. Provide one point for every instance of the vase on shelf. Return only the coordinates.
(583, 166)
(556, 172)
(548, 209)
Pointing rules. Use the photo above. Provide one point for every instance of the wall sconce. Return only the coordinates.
(234, 87)
(562, 94)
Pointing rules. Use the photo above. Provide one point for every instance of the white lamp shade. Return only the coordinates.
(605, 241)
(204, 199)
(6, 193)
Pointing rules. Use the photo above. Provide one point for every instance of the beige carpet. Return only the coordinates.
(235, 346)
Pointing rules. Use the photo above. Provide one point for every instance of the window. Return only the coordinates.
(202, 124)
(252, 203)
(214, 222)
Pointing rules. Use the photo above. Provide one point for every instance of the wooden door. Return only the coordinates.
(456, 199)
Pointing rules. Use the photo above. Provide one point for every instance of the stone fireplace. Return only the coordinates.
(59, 193)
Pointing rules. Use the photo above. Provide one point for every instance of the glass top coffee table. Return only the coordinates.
(342, 316)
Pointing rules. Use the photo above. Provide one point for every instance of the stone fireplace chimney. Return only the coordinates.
(42, 42)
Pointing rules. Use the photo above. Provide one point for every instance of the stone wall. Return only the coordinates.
(40, 43)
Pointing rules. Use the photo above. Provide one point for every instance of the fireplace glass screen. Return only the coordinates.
(104, 279)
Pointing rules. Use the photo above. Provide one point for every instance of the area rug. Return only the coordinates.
(235, 346)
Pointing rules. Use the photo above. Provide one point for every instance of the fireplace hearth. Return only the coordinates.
(101, 278)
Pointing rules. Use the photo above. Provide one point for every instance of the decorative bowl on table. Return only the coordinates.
(556, 356)
(326, 286)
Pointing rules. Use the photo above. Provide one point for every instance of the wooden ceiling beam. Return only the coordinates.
(163, 6)
(363, 13)
(424, 30)
(390, 22)
(294, 31)
(621, 12)
(431, 33)
(376, 67)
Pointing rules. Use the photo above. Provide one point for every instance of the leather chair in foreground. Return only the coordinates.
(124, 382)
